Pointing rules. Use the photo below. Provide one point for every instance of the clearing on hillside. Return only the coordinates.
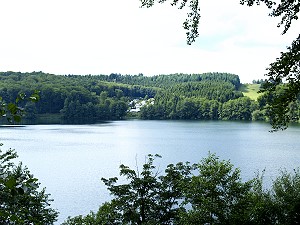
(250, 90)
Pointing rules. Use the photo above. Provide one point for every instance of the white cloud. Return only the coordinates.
(101, 37)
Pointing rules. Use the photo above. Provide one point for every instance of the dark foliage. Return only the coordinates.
(22, 202)
(209, 192)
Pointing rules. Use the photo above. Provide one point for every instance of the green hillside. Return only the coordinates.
(250, 90)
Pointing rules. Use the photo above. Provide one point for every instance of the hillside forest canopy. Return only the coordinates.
(283, 74)
(81, 99)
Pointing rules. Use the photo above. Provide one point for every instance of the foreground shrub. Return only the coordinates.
(21, 200)
(209, 192)
(216, 194)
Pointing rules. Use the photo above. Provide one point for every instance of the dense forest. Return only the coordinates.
(76, 98)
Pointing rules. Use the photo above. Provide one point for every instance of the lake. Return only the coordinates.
(69, 160)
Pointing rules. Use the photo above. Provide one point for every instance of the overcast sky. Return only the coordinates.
(117, 36)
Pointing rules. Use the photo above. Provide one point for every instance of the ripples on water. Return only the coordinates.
(70, 160)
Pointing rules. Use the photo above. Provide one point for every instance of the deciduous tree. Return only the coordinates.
(217, 194)
(149, 198)
(21, 199)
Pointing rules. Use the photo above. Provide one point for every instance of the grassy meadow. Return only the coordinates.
(250, 90)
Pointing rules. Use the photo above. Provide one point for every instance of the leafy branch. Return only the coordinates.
(12, 111)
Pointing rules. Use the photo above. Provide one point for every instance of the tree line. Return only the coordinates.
(77, 99)
(163, 80)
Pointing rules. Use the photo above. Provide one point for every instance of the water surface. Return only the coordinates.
(70, 160)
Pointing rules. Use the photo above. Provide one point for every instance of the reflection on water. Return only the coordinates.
(71, 159)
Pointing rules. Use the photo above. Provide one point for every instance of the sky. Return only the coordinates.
(117, 36)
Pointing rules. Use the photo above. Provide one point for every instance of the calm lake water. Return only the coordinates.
(70, 160)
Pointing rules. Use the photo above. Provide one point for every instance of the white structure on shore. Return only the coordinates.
(137, 104)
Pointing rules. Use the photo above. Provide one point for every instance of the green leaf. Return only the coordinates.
(31, 180)
(12, 108)
(2, 113)
(17, 118)
(35, 97)
(13, 218)
(20, 97)
(11, 183)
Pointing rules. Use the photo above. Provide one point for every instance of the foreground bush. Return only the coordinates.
(21, 200)
(209, 192)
